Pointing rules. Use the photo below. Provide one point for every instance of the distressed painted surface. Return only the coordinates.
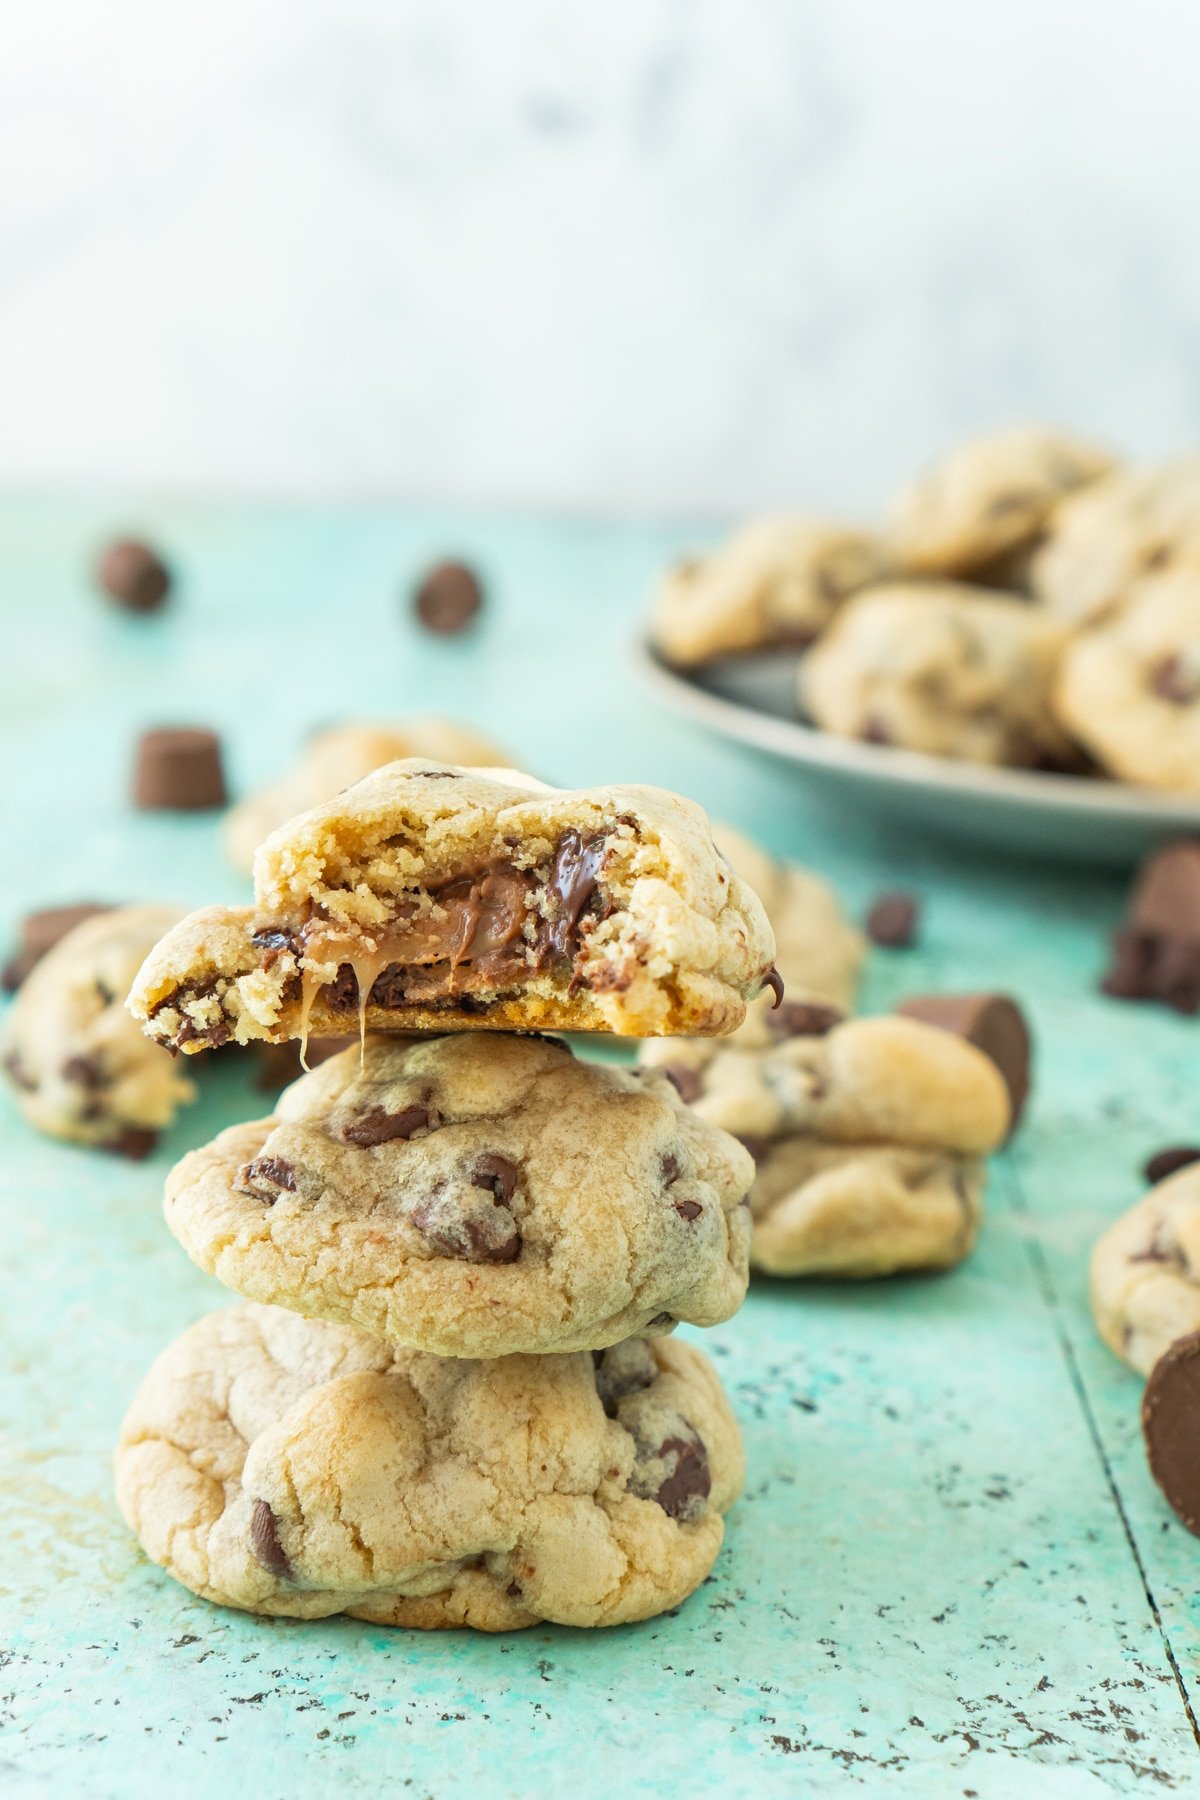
(950, 1574)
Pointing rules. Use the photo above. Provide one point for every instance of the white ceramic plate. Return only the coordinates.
(753, 700)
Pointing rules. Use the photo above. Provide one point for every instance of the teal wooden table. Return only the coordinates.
(950, 1573)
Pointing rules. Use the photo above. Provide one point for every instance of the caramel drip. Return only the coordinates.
(310, 986)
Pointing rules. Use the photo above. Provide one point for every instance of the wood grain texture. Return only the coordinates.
(951, 1573)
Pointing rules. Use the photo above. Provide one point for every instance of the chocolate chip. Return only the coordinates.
(661, 1322)
(572, 882)
(892, 921)
(1172, 680)
(757, 1146)
(875, 731)
(688, 1483)
(265, 1177)
(455, 1221)
(264, 1541)
(774, 980)
(133, 1142)
(133, 575)
(40, 932)
(448, 597)
(177, 768)
(995, 1024)
(1171, 1427)
(687, 1082)
(670, 1168)
(378, 1126)
(514, 1590)
(85, 1072)
(803, 1018)
(273, 943)
(1169, 1162)
(497, 1174)
(625, 1368)
(688, 1209)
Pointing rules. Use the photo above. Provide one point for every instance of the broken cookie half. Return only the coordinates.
(434, 897)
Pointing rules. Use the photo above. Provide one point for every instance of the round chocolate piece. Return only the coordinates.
(994, 1024)
(1168, 1162)
(1171, 1427)
(133, 575)
(892, 921)
(40, 931)
(448, 597)
(178, 769)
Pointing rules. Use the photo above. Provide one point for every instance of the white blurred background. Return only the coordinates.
(654, 255)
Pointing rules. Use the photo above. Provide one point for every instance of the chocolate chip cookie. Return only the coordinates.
(943, 668)
(777, 581)
(1103, 541)
(338, 757)
(288, 1467)
(867, 1135)
(430, 897)
(1129, 688)
(475, 1195)
(78, 1064)
(990, 497)
(1146, 1272)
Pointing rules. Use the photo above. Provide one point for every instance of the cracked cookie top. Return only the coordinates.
(285, 1466)
(475, 1195)
(429, 897)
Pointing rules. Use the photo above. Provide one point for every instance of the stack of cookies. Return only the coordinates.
(453, 1398)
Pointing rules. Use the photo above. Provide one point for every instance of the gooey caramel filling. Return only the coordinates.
(485, 930)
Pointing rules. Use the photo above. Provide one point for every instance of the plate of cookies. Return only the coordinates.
(1014, 657)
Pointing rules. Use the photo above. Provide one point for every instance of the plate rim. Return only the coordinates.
(809, 746)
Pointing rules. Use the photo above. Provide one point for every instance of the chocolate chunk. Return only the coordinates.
(774, 980)
(132, 1141)
(625, 1368)
(687, 1082)
(892, 921)
(573, 880)
(448, 597)
(133, 575)
(378, 1126)
(178, 769)
(688, 1483)
(85, 1072)
(803, 1018)
(264, 1541)
(1171, 679)
(688, 1209)
(497, 1174)
(40, 932)
(1171, 1427)
(514, 1590)
(1156, 952)
(1169, 1162)
(671, 1170)
(994, 1024)
(757, 1146)
(455, 1220)
(662, 1322)
(265, 1176)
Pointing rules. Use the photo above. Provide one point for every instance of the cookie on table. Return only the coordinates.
(1129, 688)
(989, 499)
(944, 668)
(79, 1066)
(818, 952)
(1146, 1272)
(1103, 541)
(885, 1080)
(283, 1466)
(429, 897)
(867, 1135)
(860, 1211)
(475, 1195)
(777, 581)
(338, 757)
